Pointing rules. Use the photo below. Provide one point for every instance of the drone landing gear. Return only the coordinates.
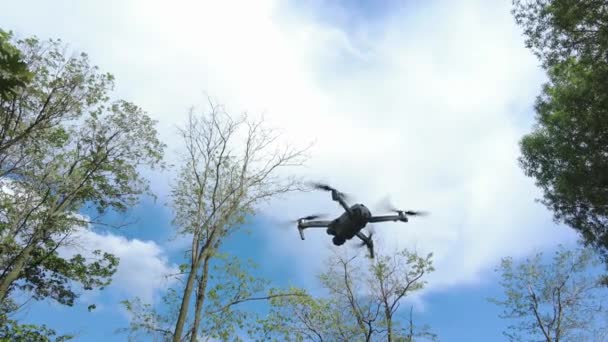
(367, 241)
(338, 241)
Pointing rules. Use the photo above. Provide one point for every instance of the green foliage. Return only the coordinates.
(65, 145)
(567, 154)
(557, 30)
(230, 283)
(12, 331)
(560, 300)
(14, 73)
(90, 274)
(230, 287)
(363, 303)
(302, 318)
(145, 321)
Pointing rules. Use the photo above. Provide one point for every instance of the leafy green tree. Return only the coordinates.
(557, 30)
(363, 303)
(65, 146)
(146, 322)
(13, 70)
(11, 330)
(558, 301)
(230, 286)
(567, 153)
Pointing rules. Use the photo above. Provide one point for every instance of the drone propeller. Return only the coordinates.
(389, 207)
(288, 224)
(307, 218)
(416, 213)
(325, 187)
(321, 186)
(310, 217)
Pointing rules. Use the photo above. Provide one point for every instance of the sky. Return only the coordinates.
(421, 102)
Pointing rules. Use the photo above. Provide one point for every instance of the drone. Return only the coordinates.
(352, 221)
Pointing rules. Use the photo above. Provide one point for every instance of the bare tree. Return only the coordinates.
(557, 301)
(363, 302)
(392, 278)
(218, 187)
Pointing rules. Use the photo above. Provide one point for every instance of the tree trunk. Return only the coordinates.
(183, 311)
(389, 327)
(7, 280)
(200, 299)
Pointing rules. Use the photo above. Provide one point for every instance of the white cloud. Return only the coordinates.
(142, 268)
(428, 108)
(143, 265)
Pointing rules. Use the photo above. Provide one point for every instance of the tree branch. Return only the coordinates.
(238, 301)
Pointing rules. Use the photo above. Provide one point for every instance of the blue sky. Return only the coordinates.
(457, 314)
(421, 101)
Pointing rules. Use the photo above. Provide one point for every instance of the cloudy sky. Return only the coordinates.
(422, 102)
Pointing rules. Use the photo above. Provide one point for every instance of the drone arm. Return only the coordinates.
(311, 224)
(387, 218)
(336, 196)
(314, 224)
(363, 237)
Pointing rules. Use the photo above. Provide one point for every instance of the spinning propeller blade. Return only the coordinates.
(325, 187)
(390, 207)
(310, 217)
(288, 224)
(321, 186)
(416, 213)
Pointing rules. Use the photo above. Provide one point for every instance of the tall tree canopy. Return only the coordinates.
(13, 69)
(64, 146)
(567, 153)
(556, 30)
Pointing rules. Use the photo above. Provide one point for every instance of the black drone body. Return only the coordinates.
(351, 223)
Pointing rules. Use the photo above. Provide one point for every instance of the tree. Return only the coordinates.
(13, 70)
(230, 284)
(557, 301)
(217, 188)
(65, 147)
(557, 30)
(363, 303)
(11, 330)
(567, 153)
